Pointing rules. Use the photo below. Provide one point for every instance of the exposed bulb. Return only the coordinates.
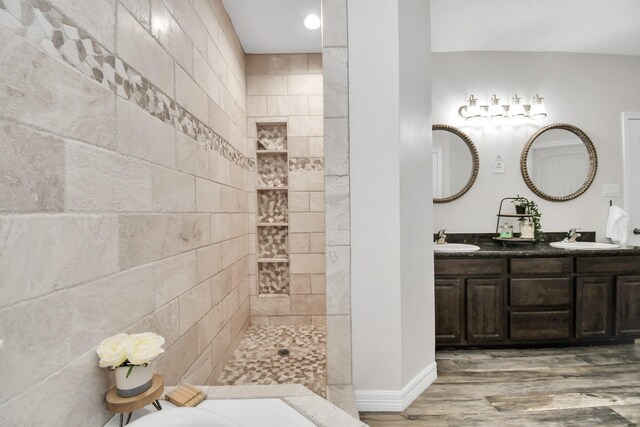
(538, 111)
(312, 21)
(473, 109)
(495, 109)
(516, 109)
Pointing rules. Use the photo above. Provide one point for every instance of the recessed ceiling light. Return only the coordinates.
(312, 22)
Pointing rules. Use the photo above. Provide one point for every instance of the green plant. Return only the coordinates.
(520, 201)
(530, 208)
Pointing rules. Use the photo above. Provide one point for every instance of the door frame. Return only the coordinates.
(626, 159)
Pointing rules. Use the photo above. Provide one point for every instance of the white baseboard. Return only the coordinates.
(396, 400)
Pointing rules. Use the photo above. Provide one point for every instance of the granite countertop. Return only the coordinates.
(491, 248)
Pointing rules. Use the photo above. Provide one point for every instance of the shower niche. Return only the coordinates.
(272, 194)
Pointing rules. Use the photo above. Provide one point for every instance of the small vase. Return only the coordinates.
(527, 229)
(520, 210)
(139, 380)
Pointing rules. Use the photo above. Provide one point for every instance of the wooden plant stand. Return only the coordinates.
(123, 405)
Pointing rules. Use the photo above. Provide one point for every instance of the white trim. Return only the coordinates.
(627, 164)
(626, 159)
(396, 400)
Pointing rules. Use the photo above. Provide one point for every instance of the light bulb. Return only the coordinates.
(495, 109)
(472, 109)
(312, 21)
(516, 109)
(538, 111)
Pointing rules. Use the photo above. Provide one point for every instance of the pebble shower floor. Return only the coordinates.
(256, 360)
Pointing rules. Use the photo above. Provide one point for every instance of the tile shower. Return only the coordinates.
(285, 125)
(284, 108)
(132, 156)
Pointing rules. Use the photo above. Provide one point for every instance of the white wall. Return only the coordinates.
(416, 208)
(585, 90)
(375, 185)
(390, 134)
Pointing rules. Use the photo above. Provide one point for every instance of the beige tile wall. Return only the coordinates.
(111, 218)
(289, 88)
(338, 192)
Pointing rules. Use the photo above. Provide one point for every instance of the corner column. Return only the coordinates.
(391, 202)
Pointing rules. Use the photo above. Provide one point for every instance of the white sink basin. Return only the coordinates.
(455, 247)
(583, 246)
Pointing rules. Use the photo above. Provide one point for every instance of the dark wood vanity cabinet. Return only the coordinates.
(594, 297)
(448, 321)
(628, 306)
(469, 301)
(537, 300)
(540, 298)
(484, 310)
(624, 271)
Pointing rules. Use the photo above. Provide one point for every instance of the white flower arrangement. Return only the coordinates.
(129, 350)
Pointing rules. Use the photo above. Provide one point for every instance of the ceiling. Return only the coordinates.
(275, 26)
(586, 26)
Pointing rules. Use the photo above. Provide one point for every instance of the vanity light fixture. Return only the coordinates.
(515, 110)
(538, 110)
(312, 21)
(472, 109)
(495, 109)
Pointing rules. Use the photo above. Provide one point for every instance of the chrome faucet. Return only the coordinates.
(571, 236)
(441, 239)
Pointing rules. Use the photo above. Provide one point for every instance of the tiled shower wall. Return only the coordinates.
(335, 48)
(125, 183)
(288, 89)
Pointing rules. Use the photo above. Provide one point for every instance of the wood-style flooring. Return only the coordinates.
(578, 386)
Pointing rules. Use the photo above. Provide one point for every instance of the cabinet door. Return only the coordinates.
(628, 306)
(593, 307)
(447, 301)
(485, 307)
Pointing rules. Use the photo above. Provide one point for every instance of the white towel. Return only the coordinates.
(617, 225)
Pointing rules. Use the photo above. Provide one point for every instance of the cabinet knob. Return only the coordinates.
(636, 231)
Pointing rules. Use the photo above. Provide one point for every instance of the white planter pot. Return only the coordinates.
(139, 380)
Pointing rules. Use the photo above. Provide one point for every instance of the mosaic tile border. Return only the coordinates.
(306, 164)
(60, 37)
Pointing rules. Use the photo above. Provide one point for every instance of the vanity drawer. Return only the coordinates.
(524, 266)
(536, 292)
(475, 267)
(540, 325)
(610, 264)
